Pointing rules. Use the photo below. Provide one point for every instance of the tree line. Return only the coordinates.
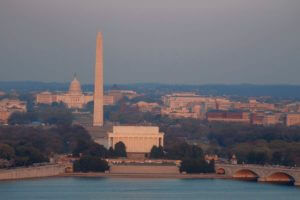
(54, 114)
(24, 146)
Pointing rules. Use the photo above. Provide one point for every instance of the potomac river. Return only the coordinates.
(80, 188)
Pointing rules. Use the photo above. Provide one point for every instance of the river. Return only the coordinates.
(71, 188)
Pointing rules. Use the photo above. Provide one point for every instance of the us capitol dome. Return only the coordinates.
(75, 86)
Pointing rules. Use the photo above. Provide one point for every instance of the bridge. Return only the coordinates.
(278, 174)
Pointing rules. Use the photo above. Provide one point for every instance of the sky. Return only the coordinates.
(152, 41)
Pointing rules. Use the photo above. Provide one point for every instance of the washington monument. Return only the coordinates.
(98, 84)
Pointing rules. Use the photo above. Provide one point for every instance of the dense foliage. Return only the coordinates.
(157, 152)
(197, 166)
(24, 146)
(56, 114)
(120, 150)
(192, 157)
(90, 164)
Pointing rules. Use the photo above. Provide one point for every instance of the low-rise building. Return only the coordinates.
(119, 94)
(228, 116)
(191, 105)
(271, 119)
(9, 106)
(146, 107)
(254, 105)
(293, 119)
(108, 100)
(265, 118)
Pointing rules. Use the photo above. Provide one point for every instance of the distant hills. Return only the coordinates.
(247, 90)
(27, 86)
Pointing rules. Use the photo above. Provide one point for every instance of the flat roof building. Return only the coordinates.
(293, 119)
(9, 106)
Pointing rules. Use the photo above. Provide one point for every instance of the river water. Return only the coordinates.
(137, 189)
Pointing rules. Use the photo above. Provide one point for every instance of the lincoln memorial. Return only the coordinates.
(138, 140)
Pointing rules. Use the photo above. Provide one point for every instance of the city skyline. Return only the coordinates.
(198, 42)
(169, 99)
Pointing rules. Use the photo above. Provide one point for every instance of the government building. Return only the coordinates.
(74, 98)
(138, 140)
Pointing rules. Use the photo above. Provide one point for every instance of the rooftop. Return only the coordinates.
(135, 129)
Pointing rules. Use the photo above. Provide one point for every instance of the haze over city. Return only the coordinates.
(164, 41)
(160, 99)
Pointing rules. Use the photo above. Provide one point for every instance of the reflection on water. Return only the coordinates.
(134, 189)
(255, 179)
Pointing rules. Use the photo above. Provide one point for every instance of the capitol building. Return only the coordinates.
(74, 98)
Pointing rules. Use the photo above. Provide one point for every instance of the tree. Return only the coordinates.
(277, 158)
(60, 105)
(28, 155)
(182, 150)
(97, 150)
(196, 152)
(6, 152)
(288, 160)
(81, 146)
(90, 164)
(257, 158)
(157, 152)
(26, 145)
(22, 118)
(197, 166)
(89, 107)
(56, 115)
(120, 150)
(111, 152)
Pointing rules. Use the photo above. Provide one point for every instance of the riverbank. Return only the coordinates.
(150, 176)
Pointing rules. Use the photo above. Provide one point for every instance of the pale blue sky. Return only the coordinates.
(165, 41)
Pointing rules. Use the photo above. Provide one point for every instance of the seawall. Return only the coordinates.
(32, 172)
(140, 169)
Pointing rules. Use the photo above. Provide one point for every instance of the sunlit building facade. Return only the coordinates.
(138, 140)
(9, 106)
(74, 98)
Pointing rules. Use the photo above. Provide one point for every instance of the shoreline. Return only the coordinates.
(149, 176)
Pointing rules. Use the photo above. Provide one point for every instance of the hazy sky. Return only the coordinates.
(166, 41)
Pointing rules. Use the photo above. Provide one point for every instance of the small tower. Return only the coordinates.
(233, 160)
